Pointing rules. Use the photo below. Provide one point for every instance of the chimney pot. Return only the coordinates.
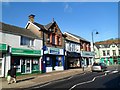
(31, 18)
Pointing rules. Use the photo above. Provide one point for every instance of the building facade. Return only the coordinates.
(72, 48)
(53, 44)
(19, 47)
(108, 52)
(78, 51)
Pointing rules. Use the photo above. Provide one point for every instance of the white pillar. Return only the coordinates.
(7, 64)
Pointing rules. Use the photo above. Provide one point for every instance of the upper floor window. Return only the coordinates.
(104, 53)
(119, 52)
(108, 52)
(26, 41)
(114, 52)
(53, 39)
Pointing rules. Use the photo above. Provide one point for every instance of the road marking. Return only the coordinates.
(56, 81)
(114, 72)
(85, 82)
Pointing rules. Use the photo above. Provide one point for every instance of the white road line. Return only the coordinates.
(86, 82)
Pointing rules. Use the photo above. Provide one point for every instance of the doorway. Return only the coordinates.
(25, 66)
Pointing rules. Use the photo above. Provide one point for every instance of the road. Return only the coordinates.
(110, 79)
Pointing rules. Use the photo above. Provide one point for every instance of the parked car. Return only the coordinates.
(99, 67)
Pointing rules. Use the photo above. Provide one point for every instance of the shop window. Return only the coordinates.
(59, 61)
(48, 61)
(35, 65)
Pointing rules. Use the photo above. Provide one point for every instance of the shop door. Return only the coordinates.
(25, 66)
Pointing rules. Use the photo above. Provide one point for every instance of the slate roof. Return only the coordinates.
(11, 29)
(39, 25)
(48, 25)
(107, 44)
(79, 37)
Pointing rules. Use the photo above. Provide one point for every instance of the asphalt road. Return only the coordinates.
(86, 80)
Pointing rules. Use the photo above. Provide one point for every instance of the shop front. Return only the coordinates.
(3, 52)
(87, 57)
(53, 59)
(26, 61)
(73, 60)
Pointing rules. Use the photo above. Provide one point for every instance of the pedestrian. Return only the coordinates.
(13, 74)
(9, 76)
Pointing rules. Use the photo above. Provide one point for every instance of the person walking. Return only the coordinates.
(13, 74)
(9, 76)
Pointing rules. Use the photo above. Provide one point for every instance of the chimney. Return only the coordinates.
(31, 18)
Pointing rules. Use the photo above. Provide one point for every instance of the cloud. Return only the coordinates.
(67, 8)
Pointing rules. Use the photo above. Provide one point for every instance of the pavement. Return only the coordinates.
(25, 81)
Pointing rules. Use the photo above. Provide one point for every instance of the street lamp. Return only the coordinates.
(93, 39)
(94, 31)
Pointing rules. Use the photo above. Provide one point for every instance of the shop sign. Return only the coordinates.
(84, 53)
(54, 51)
(3, 47)
(18, 51)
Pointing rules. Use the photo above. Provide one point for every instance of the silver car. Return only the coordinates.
(99, 67)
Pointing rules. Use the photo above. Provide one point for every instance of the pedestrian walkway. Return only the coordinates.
(25, 81)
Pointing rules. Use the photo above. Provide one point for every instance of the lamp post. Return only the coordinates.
(93, 39)
(94, 31)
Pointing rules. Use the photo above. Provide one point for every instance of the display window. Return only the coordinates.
(35, 65)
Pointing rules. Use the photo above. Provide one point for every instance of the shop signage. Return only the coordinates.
(18, 51)
(54, 51)
(84, 53)
(3, 47)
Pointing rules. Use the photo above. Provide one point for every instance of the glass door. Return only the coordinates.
(25, 66)
(28, 66)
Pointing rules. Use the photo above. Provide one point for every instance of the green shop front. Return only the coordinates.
(3, 52)
(26, 61)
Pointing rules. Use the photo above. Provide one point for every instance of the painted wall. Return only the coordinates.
(14, 41)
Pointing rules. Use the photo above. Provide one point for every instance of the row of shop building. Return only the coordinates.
(41, 48)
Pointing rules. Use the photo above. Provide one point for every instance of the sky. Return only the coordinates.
(80, 18)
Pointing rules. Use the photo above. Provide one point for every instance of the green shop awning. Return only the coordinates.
(3, 47)
(27, 52)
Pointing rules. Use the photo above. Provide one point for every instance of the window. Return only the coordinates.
(108, 52)
(119, 52)
(53, 39)
(104, 53)
(114, 53)
(73, 47)
(26, 41)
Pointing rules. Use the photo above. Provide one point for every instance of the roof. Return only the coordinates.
(107, 43)
(11, 29)
(48, 25)
(78, 37)
(39, 25)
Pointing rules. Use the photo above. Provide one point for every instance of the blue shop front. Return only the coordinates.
(53, 60)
